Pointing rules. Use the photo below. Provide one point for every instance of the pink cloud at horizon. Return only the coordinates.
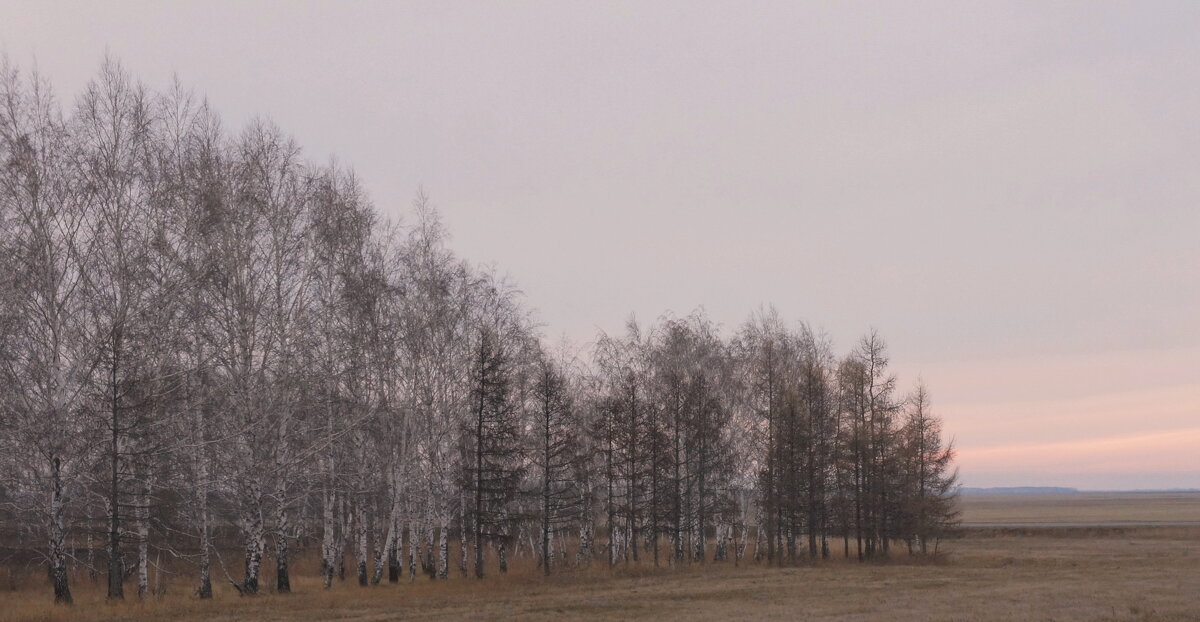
(1088, 421)
(1174, 450)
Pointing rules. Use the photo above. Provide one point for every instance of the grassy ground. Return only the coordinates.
(1082, 507)
(1150, 573)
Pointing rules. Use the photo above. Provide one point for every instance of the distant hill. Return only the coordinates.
(1020, 490)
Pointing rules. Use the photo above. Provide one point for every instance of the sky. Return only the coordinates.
(1008, 192)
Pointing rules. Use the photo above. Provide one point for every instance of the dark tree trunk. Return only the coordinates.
(393, 555)
(116, 570)
(479, 464)
(546, 466)
(283, 583)
(58, 557)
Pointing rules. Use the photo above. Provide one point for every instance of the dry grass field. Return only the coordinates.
(1096, 507)
(1062, 574)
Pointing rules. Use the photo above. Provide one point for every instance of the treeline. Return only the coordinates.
(202, 334)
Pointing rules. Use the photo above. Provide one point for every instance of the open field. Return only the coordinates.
(994, 573)
(1081, 508)
(1137, 574)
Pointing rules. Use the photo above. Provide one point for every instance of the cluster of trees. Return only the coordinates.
(212, 349)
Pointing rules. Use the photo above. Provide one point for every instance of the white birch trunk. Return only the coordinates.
(718, 539)
(58, 556)
(252, 524)
(428, 563)
(283, 580)
(587, 536)
(462, 539)
(205, 588)
(759, 539)
(444, 541)
(360, 558)
(344, 534)
(389, 541)
(738, 547)
(328, 538)
(91, 558)
(143, 541)
(414, 547)
(619, 546)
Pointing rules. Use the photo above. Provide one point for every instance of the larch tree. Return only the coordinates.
(930, 481)
(495, 460)
(556, 453)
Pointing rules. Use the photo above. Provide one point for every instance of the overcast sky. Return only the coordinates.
(1010, 193)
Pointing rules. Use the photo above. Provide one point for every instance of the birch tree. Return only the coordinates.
(114, 122)
(762, 348)
(195, 166)
(47, 360)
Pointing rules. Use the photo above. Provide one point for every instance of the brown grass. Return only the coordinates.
(1063, 574)
(1139, 576)
(1082, 507)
